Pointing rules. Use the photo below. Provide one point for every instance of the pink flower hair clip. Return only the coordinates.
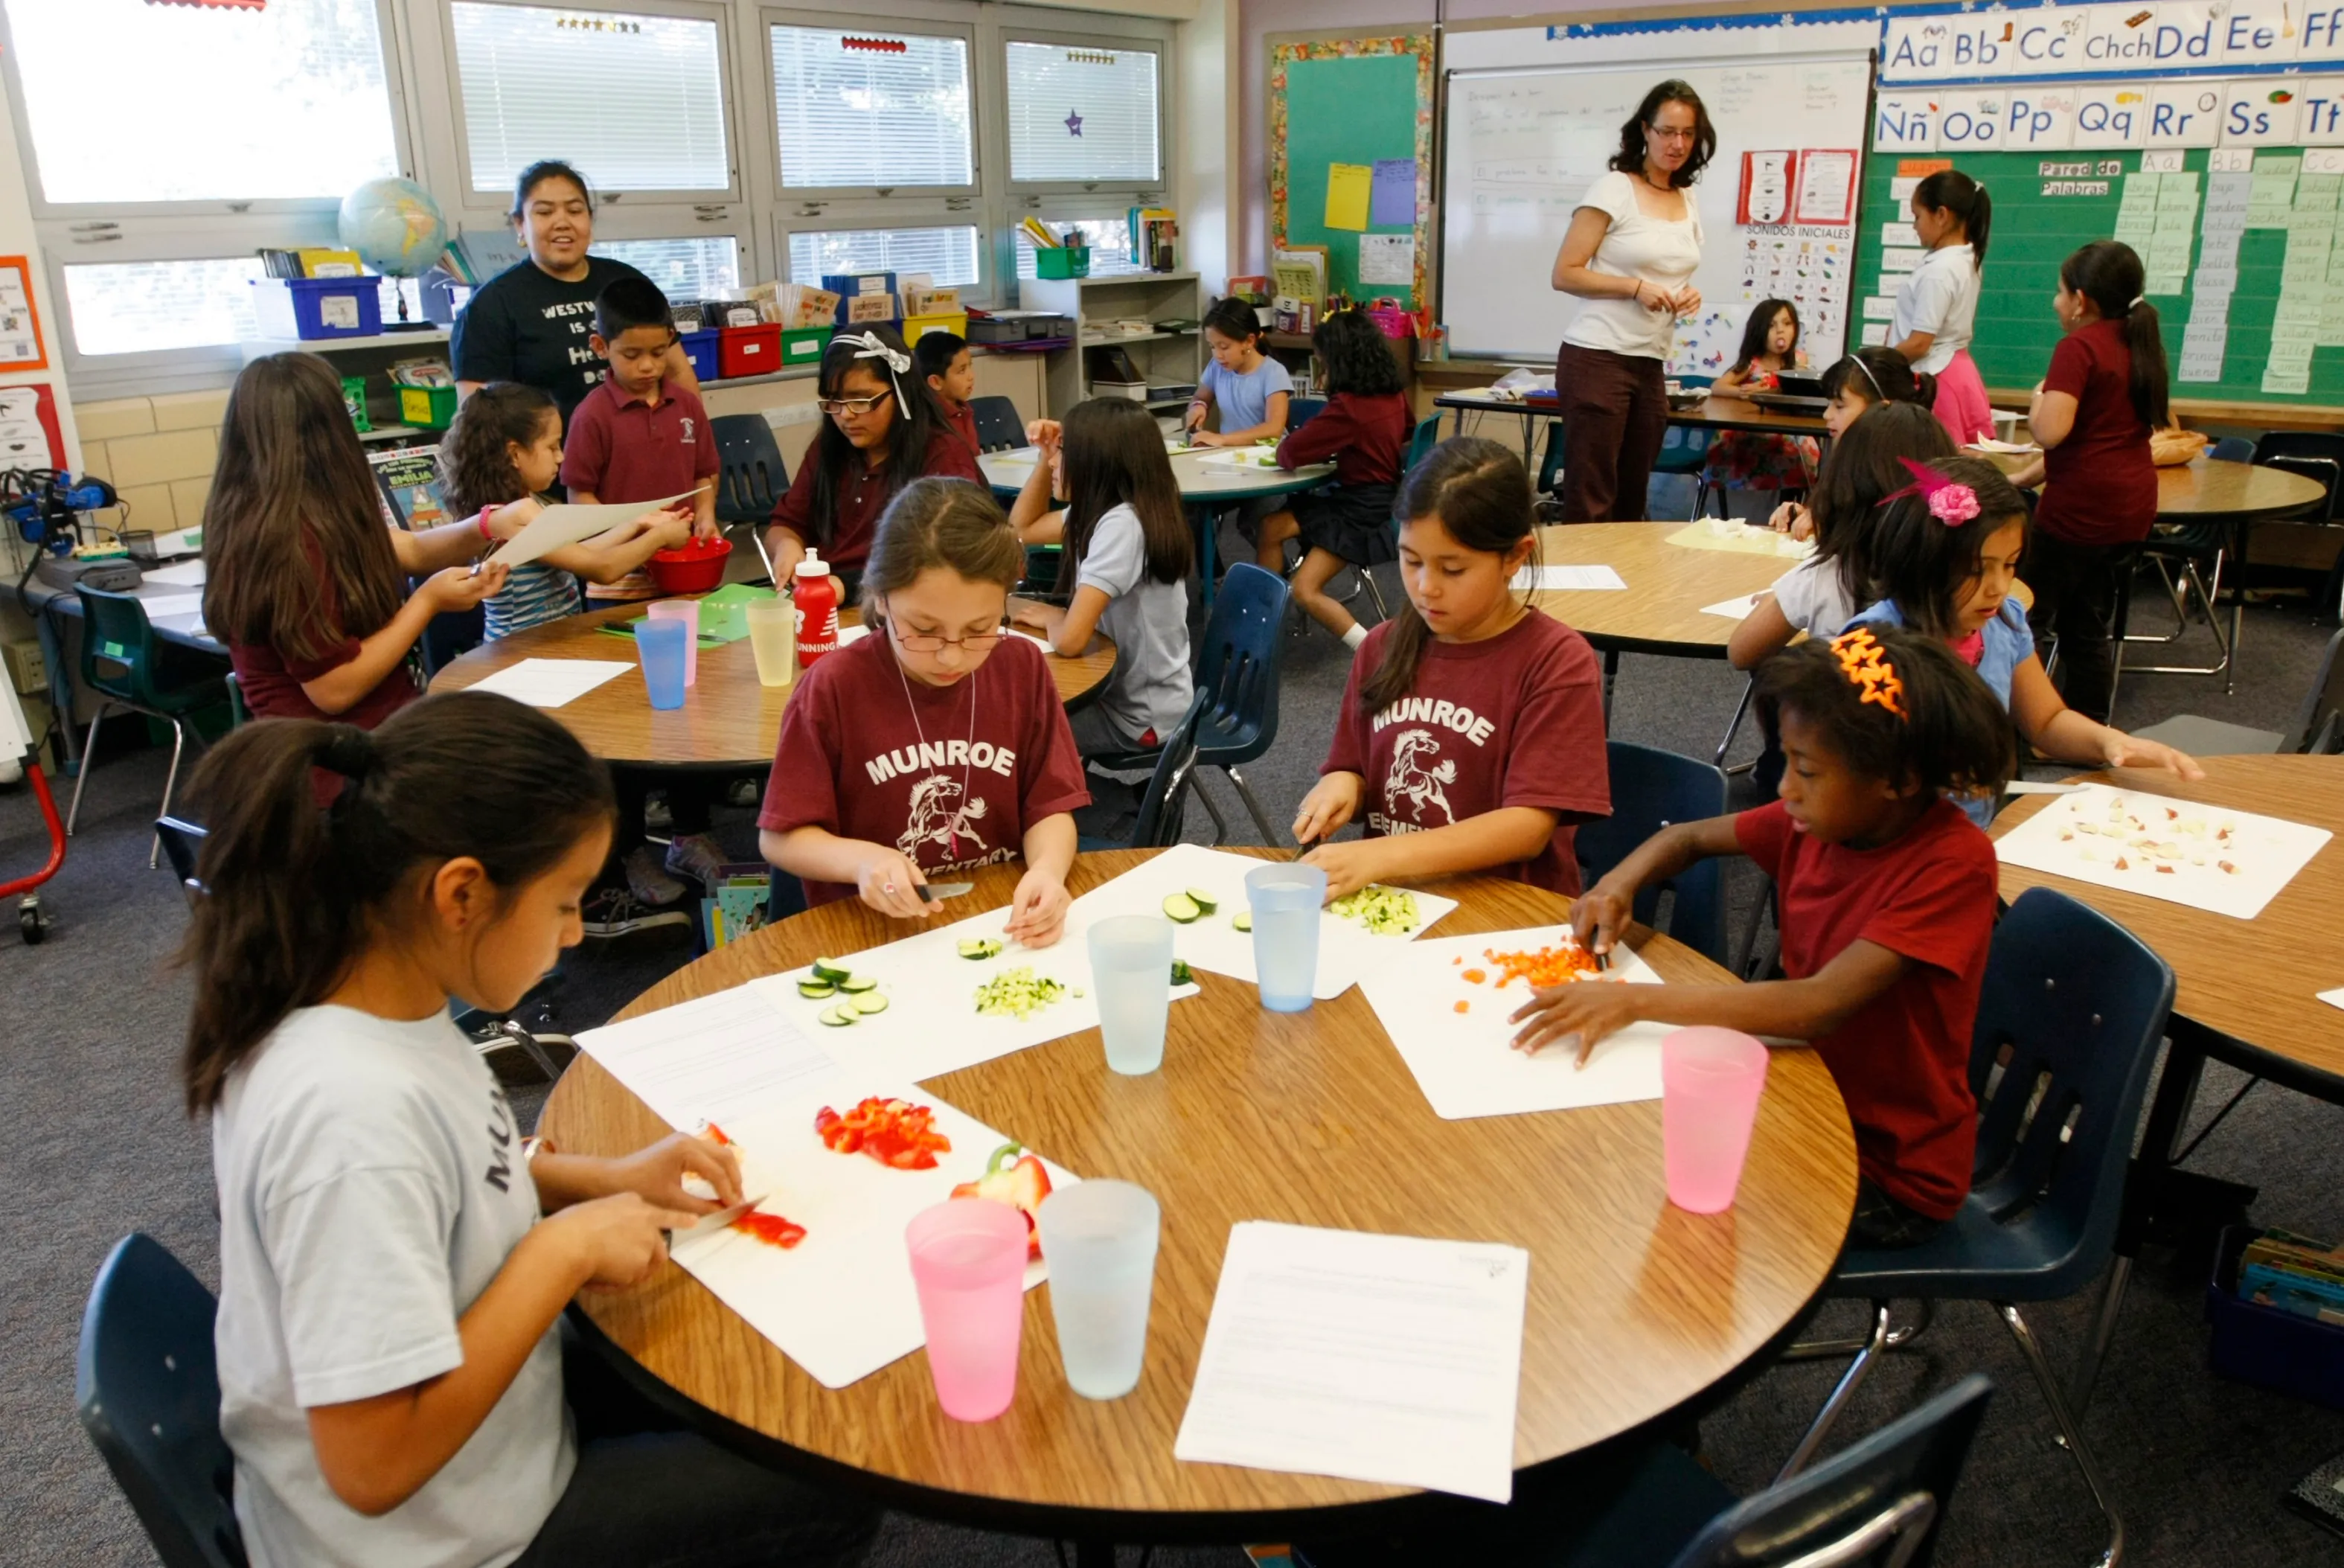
(1951, 501)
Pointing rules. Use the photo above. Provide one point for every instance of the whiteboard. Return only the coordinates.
(1525, 143)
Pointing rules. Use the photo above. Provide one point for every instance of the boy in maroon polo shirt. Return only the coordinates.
(638, 436)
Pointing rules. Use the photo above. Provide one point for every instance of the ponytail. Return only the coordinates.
(2109, 274)
(1951, 190)
(293, 891)
(1480, 492)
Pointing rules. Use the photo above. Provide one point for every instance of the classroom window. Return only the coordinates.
(703, 267)
(1108, 237)
(130, 102)
(635, 102)
(140, 307)
(1082, 114)
(948, 256)
(867, 110)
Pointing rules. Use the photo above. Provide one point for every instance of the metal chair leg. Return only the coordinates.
(1376, 592)
(2104, 1334)
(1850, 1381)
(178, 744)
(1740, 710)
(88, 755)
(1220, 822)
(1824, 1350)
(1253, 808)
(2033, 1349)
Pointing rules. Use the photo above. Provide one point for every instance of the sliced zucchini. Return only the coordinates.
(868, 1003)
(830, 969)
(1181, 974)
(1203, 900)
(816, 990)
(838, 1017)
(855, 985)
(1181, 909)
(1242, 920)
(979, 947)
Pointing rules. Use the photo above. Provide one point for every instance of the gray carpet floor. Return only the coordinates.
(95, 1143)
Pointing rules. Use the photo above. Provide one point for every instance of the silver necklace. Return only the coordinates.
(969, 747)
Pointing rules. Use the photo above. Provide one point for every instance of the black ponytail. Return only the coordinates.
(2109, 274)
(1480, 492)
(1951, 190)
(295, 891)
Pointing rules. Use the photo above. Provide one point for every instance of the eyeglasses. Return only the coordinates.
(855, 406)
(924, 642)
(1666, 134)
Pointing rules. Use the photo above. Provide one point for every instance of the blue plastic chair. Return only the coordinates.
(1427, 436)
(1157, 826)
(750, 478)
(1651, 789)
(148, 1387)
(999, 428)
(1299, 411)
(1236, 668)
(128, 666)
(2232, 450)
(183, 843)
(1684, 450)
(2081, 1004)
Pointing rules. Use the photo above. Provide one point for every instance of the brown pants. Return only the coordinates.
(1615, 414)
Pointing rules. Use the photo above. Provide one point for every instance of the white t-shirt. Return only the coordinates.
(1657, 250)
(1940, 297)
(1148, 622)
(1813, 599)
(370, 1186)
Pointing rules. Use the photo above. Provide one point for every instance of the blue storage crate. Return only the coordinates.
(847, 285)
(308, 308)
(700, 347)
(2263, 1345)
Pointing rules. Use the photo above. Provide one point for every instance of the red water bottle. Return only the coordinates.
(817, 605)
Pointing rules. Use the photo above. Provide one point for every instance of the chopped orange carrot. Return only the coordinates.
(1475, 975)
(1546, 967)
(1464, 1006)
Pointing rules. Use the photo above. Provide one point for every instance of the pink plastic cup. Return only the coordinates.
(688, 612)
(1710, 1082)
(968, 1262)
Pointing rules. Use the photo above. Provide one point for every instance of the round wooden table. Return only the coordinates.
(2203, 491)
(1660, 611)
(729, 719)
(1638, 1311)
(1721, 412)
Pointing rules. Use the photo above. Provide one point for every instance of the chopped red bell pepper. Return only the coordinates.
(771, 1229)
(896, 1133)
(1017, 1179)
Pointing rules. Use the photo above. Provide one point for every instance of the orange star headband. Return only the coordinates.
(1865, 663)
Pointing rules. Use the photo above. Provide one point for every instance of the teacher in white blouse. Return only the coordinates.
(1633, 245)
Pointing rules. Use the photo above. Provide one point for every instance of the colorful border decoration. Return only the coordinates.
(1421, 46)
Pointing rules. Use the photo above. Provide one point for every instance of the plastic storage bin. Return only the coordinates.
(953, 321)
(1063, 261)
(748, 351)
(847, 285)
(308, 308)
(2264, 1346)
(803, 346)
(427, 408)
(700, 347)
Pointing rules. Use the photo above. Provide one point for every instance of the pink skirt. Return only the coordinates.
(1961, 405)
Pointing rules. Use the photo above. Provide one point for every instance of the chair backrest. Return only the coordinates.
(2080, 1004)
(1550, 465)
(1651, 789)
(1877, 1502)
(2318, 456)
(1158, 826)
(1684, 449)
(999, 428)
(1425, 438)
(1299, 411)
(117, 646)
(183, 843)
(750, 478)
(239, 712)
(2319, 724)
(148, 1389)
(2232, 450)
(1237, 667)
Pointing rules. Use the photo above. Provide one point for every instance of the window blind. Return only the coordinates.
(1082, 114)
(635, 102)
(703, 267)
(948, 256)
(140, 307)
(130, 102)
(856, 109)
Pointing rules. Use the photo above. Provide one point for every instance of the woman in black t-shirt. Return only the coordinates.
(532, 321)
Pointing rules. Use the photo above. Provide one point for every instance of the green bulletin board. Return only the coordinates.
(2046, 205)
(1350, 101)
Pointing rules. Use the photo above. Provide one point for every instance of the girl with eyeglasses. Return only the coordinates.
(937, 742)
(883, 429)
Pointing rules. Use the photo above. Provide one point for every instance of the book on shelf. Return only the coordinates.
(412, 494)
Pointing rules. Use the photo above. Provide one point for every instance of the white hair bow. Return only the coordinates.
(869, 345)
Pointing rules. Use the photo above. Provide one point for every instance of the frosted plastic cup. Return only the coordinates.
(1100, 1238)
(1710, 1082)
(968, 1263)
(688, 612)
(1131, 972)
(663, 647)
(774, 638)
(1286, 899)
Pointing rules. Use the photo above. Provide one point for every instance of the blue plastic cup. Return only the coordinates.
(1286, 899)
(660, 644)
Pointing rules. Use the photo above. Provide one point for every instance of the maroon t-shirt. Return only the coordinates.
(2099, 485)
(1903, 1063)
(1367, 437)
(272, 677)
(863, 495)
(1514, 720)
(952, 776)
(622, 448)
(962, 417)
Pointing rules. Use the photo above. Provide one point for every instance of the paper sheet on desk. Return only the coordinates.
(2229, 862)
(1373, 1358)
(566, 524)
(1465, 1062)
(1572, 577)
(186, 574)
(1735, 609)
(841, 1302)
(551, 682)
(724, 1057)
(163, 606)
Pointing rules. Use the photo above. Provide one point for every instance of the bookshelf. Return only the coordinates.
(1094, 305)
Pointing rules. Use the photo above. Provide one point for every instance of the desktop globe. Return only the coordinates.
(394, 226)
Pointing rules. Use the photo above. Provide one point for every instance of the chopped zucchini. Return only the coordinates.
(1014, 992)
(816, 990)
(855, 985)
(830, 969)
(1181, 909)
(1181, 974)
(1242, 920)
(868, 1003)
(1203, 900)
(837, 1018)
(979, 947)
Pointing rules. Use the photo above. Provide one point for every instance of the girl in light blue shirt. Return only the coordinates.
(1251, 388)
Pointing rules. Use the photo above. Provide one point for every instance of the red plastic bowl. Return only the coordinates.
(697, 568)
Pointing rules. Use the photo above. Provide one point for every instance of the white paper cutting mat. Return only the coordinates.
(2207, 857)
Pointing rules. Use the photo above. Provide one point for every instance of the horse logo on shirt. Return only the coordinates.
(935, 821)
(1409, 779)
